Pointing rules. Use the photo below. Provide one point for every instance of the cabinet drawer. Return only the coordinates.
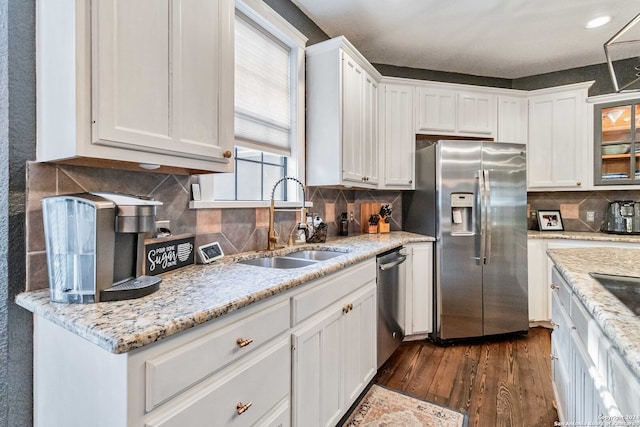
(263, 383)
(563, 289)
(561, 335)
(320, 296)
(182, 367)
(624, 385)
(580, 319)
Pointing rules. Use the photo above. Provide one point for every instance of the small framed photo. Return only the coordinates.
(550, 221)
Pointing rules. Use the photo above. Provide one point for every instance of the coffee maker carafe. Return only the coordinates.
(95, 246)
(622, 217)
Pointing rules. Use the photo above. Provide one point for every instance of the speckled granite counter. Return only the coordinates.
(583, 235)
(619, 323)
(196, 294)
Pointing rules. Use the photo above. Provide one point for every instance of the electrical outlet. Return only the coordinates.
(163, 224)
(534, 214)
(350, 216)
(591, 216)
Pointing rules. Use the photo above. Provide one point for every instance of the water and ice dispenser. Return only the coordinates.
(461, 214)
(95, 246)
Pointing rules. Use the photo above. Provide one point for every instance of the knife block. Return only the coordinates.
(366, 210)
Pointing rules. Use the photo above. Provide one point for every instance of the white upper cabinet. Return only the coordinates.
(558, 143)
(476, 113)
(436, 110)
(451, 110)
(149, 81)
(398, 138)
(342, 116)
(512, 119)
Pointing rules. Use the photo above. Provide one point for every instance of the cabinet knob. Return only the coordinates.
(227, 154)
(578, 183)
(347, 308)
(554, 287)
(554, 324)
(410, 181)
(243, 343)
(242, 407)
(553, 357)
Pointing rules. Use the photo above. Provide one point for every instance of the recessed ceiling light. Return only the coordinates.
(598, 22)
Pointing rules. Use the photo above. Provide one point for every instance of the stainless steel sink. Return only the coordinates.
(294, 259)
(315, 255)
(278, 262)
(625, 288)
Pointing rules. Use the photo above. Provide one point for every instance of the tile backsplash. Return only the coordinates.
(574, 205)
(240, 230)
(237, 230)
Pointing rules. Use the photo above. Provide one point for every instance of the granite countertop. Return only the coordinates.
(583, 235)
(618, 322)
(196, 294)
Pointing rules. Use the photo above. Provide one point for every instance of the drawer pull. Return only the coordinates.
(553, 357)
(554, 287)
(243, 343)
(242, 407)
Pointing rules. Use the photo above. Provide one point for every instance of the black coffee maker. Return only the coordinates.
(622, 217)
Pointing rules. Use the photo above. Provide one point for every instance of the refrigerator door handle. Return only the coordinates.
(487, 211)
(480, 208)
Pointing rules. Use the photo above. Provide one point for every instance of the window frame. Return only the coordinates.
(281, 29)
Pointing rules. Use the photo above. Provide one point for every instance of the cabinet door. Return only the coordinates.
(359, 338)
(352, 129)
(420, 296)
(163, 76)
(476, 113)
(317, 367)
(436, 110)
(557, 149)
(538, 280)
(370, 139)
(512, 119)
(398, 137)
(561, 355)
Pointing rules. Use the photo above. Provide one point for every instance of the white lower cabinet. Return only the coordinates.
(245, 397)
(233, 371)
(334, 349)
(539, 270)
(419, 290)
(591, 381)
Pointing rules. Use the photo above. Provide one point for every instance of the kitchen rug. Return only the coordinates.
(381, 406)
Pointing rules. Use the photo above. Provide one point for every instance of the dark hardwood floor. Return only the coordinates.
(499, 382)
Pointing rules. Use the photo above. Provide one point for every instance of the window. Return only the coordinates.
(269, 107)
(258, 171)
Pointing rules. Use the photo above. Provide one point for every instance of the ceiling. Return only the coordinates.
(493, 38)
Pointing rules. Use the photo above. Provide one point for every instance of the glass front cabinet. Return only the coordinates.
(617, 143)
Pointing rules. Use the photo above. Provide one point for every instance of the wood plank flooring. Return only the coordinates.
(499, 382)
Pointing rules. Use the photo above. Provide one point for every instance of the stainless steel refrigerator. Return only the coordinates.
(472, 197)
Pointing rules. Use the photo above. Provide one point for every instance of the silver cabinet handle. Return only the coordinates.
(398, 261)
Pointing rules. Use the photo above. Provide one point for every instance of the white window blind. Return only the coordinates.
(262, 88)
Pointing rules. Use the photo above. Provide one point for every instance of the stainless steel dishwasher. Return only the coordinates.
(391, 294)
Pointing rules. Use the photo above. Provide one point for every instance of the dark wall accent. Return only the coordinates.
(22, 147)
(441, 76)
(4, 217)
(625, 70)
(298, 19)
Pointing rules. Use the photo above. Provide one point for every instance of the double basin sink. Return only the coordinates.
(294, 259)
(625, 288)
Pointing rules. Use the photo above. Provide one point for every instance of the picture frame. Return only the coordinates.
(550, 220)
